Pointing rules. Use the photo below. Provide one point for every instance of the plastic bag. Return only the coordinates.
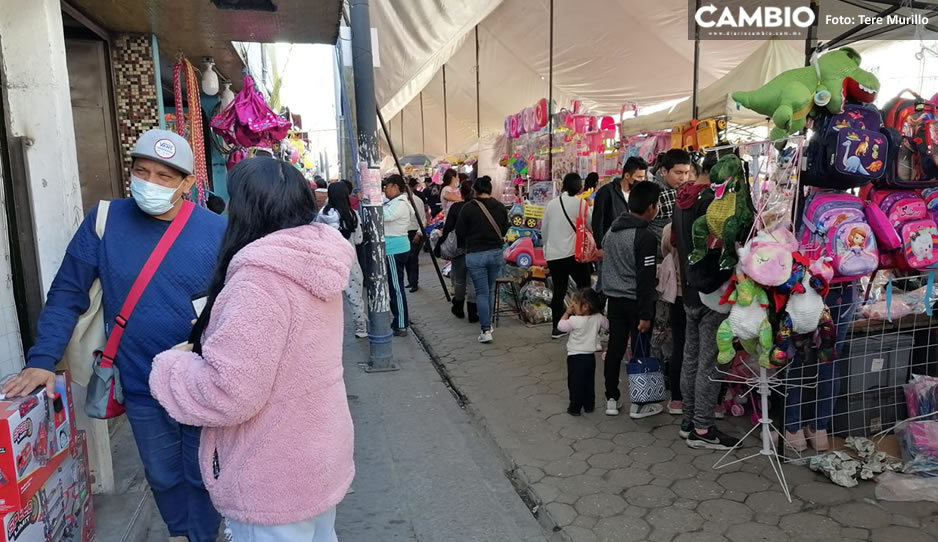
(903, 487)
(921, 396)
(920, 448)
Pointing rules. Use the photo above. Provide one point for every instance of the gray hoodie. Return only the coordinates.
(629, 263)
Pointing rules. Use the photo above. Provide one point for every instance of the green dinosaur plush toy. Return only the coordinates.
(790, 96)
(748, 321)
(729, 218)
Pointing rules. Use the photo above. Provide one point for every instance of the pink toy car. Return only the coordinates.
(523, 254)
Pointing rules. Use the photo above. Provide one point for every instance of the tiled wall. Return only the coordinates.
(11, 349)
(136, 87)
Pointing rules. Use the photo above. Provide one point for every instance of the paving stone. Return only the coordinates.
(706, 462)
(904, 521)
(744, 481)
(565, 467)
(550, 451)
(714, 528)
(674, 520)
(860, 514)
(531, 475)
(561, 514)
(724, 511)
(622, 479)
(661, 536)
(700, 537)
(579, 431)
(635, 512)
(708, 475)
(594, 471)
(622, 529)
(680, 447)
(600, 505)
(582, 485)
(648, 455)
(662, 482)
(545, 492)
(823, 493)
(931, 526)
(580, 534)
(855, 534)
(632, 440)
(593, 446)
(674, 471)
(767, 518)
(612, 460)
(737, 496)
(913, 509)
(685, 504)
(698, 490)
(666, 432)
(900, 534)
(808, 526)
(755, 532)
(774, 501)
(650, 496)
(585, 522)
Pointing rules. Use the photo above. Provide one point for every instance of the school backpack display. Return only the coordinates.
(905, 218)
(848, 149)
(915, 121)
(834, 224)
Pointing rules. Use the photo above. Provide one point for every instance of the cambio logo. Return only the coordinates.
(759, 17)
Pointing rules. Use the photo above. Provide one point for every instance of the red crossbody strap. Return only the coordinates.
(143, 279)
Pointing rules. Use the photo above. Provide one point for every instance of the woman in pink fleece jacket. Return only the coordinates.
(264, 375)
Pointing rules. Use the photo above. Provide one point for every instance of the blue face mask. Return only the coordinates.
(152, 198)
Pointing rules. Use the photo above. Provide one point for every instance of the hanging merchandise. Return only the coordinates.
(248, 121)
(748, 321)
(915, 120)
(849, 149)
(835, 224)
(827, 82)
(194, 124)
(804, 314)
(729, 218)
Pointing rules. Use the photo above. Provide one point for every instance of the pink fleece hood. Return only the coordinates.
(268, 391)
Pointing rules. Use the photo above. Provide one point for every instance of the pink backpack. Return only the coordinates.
(834, 224)
(908, 219)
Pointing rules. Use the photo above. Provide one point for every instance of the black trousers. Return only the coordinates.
(623, 328)
(561, 271)
(581, 381)
(678, 329)
(413, 263)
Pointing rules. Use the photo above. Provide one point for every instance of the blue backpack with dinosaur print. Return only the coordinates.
(849, 149)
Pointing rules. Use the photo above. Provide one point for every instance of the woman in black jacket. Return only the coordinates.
(458, 272)
(482, 224)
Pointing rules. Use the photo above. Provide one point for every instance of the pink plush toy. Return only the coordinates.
(767, 259)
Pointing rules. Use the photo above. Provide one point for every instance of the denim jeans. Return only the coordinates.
(170, 455)
(318, 529)
(842, 300)
(484, 267)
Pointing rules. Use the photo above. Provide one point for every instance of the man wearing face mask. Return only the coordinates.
(161, 174)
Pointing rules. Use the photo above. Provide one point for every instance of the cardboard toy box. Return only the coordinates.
(61, 511)
(34, 432)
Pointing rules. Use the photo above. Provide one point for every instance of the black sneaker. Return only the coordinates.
(557, 334)
(573, 412)
(686, 429)
(400, 332)
(712, 440)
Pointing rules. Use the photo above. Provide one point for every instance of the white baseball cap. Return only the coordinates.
(165, 147)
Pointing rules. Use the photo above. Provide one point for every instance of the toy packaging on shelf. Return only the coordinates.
(61, 510)
(34, 432)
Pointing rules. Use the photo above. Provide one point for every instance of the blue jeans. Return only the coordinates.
(484, 267)
(318, 529)
(170, 455)
(842, 300)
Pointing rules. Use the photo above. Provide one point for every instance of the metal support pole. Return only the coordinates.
(445, 117)
(410, 198)
(402, 135)
(423, 129)
(696, 109)
(550, 101)
(478, 108)
(810, 44)
(379, 306)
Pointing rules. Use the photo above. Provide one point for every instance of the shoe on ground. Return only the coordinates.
(796, 440)
(557, 334)
(361, 332)
(400, 332)
(719, 412)
(686, 429)
(457, 309)
(589, 410)
(573, 411)
(637, 412)
(818, 439)
(472, 314)
(486, 336)
(414, 289)
(713, 439)
(178, 539)
(676, 407)
(612, 407)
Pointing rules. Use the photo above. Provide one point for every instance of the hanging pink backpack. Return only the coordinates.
(834, 224)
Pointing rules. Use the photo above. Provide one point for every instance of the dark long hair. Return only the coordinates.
(338, 200)
(266, 195)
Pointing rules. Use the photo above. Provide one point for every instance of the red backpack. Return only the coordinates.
(916, 121)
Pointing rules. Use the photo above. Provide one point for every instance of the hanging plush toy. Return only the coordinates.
(748, 321)
(805, 315)
(790, 96)
(767, 257)
(729, 218)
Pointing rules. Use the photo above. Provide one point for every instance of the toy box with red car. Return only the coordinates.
(34, 432)
(61, 510)
(523, 254)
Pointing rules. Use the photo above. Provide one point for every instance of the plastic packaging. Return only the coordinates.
(903, 487)
(920, 448)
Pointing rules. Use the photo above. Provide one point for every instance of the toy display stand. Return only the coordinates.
(764, 383)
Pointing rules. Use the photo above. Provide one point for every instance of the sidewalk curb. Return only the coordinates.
(518, 480)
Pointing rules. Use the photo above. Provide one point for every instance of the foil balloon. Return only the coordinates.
(540, 113)
(508, 127)
(529, 125)
(519, 119)
(513, 126)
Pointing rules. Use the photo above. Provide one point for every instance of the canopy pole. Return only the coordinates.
(695, 109)
(423, 128)
(478, 109)
(550, 100)
(402, 135)
(810, 44)
(445, 117)
(410, 198)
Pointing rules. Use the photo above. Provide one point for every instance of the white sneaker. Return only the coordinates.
(612, 407)
(637, 412)
(361, 333)
(485, 336)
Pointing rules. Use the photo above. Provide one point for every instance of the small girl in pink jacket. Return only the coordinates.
(264, 375)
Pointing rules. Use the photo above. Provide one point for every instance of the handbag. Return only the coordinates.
(89, 334)
(105, 397)
(448, 248)
(646, 381)
(585, 250)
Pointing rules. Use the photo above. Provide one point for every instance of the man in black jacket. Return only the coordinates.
(612, 200)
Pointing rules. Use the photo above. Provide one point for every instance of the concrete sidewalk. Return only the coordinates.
(601, 478)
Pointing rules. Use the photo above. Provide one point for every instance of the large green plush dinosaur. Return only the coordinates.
(790, 96)
(729, 218)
